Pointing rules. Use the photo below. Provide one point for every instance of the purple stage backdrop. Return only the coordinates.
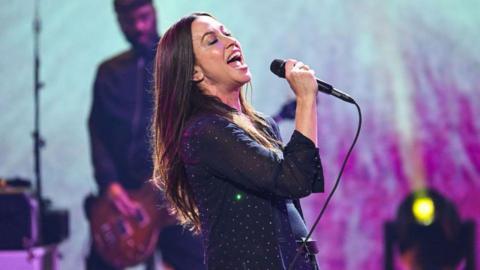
(413, 66)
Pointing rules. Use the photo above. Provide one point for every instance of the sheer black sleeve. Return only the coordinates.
(229, 153)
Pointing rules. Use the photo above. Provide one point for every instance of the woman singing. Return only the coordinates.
(221, 163)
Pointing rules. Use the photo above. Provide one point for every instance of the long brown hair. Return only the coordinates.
(177, 99)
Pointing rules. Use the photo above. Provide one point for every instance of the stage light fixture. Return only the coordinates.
(423, 209)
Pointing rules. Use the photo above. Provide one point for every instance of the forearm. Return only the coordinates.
(104, 167)
(306, 118)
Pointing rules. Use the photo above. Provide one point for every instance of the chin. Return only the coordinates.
(246, 79)
(247, 76)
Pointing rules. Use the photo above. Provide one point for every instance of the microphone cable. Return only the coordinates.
(317, 220)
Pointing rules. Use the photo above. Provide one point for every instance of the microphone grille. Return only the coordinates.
(277, 67)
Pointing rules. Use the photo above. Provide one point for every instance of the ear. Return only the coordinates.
(198, 75)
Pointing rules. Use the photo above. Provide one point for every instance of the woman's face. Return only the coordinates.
(219, 62)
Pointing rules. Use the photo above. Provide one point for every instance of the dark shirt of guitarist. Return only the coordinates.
(120, 116)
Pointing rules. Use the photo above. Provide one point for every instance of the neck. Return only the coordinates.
(233, 100)
(230, 97)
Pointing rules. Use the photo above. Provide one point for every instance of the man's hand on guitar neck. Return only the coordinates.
(119, 197)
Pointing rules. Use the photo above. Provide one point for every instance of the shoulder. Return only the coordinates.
(117, 62)
(207, 126)
(268, 119)
(204, 124)
(271, 125)
(201, 134)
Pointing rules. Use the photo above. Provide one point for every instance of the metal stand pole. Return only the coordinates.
(38, 142)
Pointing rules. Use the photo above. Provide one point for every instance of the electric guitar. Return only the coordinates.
(127, 241)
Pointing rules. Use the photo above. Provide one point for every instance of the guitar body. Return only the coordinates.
(126, 241)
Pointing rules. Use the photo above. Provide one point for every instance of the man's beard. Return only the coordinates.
(143, 47)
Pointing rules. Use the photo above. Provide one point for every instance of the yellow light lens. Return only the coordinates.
(423, 210)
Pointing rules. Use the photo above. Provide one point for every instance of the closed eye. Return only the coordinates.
(213, 41)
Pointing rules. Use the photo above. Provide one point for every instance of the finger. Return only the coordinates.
(124, 204)
(298, 65)
(135, 207)
(302, 66)
(120, 207)
(289, 63)
(130, 206)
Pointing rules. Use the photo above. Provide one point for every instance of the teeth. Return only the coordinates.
(237, 54)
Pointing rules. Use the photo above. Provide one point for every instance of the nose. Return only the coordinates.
(230, 41)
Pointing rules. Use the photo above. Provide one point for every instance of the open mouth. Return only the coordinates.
(235, 58)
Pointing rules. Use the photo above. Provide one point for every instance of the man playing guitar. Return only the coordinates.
(118, 125)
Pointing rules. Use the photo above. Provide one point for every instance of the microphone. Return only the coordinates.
(278, 68)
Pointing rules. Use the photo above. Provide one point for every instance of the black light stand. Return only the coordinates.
(54, 224)
(28, 223)
(38, 141)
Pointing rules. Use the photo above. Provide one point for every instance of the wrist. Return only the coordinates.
(307, 100)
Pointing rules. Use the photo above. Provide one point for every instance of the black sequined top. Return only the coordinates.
(239, 185)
